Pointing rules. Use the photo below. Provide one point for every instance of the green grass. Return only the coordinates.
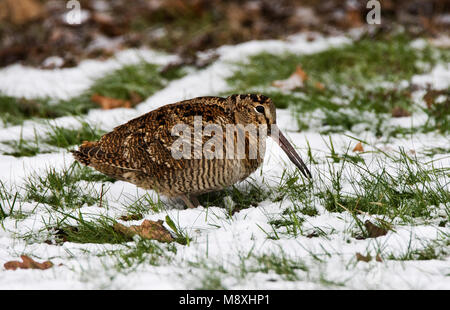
(429, 152)
(132, 253)
(210, 274)
(390, 188)
(61, 189)
(248, 195)
(181, 236)
(88, 174)
(57, 137)
(142, 205)
(211, 280)
(434, 249)
(64, 138)
(291, 222)
(409, 192)
(439, 114)
(14, 111)
(148, 252)
(356, 65)
(23, 147)
(9, 203)
(93, 231)
(279, 264)
(295, 189)
(129, 82)
(143, 79)
(297, 192)
(350, 74)
(402, 189)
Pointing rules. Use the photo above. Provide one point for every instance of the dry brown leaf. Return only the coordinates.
(107, 103)
(107, 24)
(362, 258)
(20, 11)
(27, 263)
(299, 71)
(378, 258)
(148, 230)
(399, 112)
(431, 95)
(312, 235)
(319, 86)
(295, 81)
(373, 230)
(135, 98)
(353, 18)
(429, 98)
(358, 148)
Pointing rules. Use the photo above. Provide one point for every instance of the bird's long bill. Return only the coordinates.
(278, 136)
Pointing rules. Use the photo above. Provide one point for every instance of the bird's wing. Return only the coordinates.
(145, 144)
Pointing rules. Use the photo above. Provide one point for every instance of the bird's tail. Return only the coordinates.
(82, 155)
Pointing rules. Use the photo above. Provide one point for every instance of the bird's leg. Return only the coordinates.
(194, 200)
(190, 200)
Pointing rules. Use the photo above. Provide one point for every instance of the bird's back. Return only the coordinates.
(140, 151)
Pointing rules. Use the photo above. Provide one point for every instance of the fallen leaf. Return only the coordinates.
(353, 18)
(295, 81)
(27, 263)
(362, 258)
(358, 148)
(107, 24)
(373, 230)
(299, 71)
(135, 98)
(20, 12)
(107, 103)
(147, 230)
(319, 86)
(431, 96)
(312, 235)
(399, 112)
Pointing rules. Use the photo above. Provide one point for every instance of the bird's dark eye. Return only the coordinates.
(260, 109)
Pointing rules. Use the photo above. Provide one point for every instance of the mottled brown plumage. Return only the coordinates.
(140, 150)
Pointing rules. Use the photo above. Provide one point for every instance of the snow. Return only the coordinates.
(439, 77)
(27, 82)
(218, 240)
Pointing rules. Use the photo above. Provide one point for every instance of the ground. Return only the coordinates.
(371, 121)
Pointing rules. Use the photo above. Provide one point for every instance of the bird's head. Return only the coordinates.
(253, 109)
(260, 110)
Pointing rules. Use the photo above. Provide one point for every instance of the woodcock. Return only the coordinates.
(140, 151)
